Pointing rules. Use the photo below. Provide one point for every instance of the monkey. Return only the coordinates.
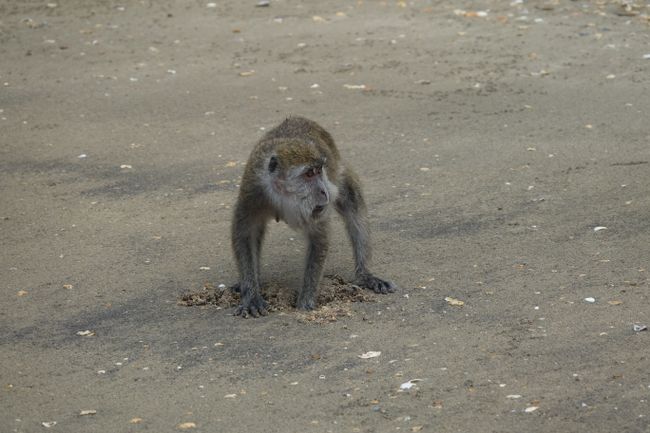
(295, 174)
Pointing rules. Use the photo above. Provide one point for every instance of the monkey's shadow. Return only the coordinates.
(334, 298)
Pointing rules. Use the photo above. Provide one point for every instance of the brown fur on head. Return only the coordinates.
(295, 153)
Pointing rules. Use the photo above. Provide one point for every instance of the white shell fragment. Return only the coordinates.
(530, 409)
(599, 228)
(513, 396)
(409, 384)
(455, 302)
(48, 424)
(371, 354)
(590, 300)
(88, 412)
(639, 328)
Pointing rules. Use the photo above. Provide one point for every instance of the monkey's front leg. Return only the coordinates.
(316, 253)
(352, 208)
(247, 245)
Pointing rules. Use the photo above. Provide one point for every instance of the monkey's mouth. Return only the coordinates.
(318, 210)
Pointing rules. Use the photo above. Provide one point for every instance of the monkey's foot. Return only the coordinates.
(305, 303)
(375, 284)
(255, 306)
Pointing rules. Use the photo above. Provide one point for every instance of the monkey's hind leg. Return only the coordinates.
(316, 253)
(247, 244)
(351, 205)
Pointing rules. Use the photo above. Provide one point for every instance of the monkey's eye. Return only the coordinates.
(310, 173)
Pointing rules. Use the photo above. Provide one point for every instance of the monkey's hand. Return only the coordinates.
(305, 302)
(376, 284)
(253, 304)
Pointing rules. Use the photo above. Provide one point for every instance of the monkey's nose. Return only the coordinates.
(325, 194)
(318, 210)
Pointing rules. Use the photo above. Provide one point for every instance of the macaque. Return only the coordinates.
(295, 174)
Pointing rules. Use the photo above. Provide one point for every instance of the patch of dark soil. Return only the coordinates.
(335, 295)
(222, 297)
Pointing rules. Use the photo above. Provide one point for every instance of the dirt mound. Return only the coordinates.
(334, 298)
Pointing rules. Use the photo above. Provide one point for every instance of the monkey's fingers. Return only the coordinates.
(245, 312)
(258, 310)
(254, 308)
(307, 304)
(387, 287)
(261, 311)
(241, 311)
(376, 284)
(262, 308)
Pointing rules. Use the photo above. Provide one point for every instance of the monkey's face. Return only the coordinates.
(319, 190)
(305, 192)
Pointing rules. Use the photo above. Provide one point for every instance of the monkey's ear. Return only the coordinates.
(273, 163)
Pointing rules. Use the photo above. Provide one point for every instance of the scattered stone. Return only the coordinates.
(86, 333)
(455, 302)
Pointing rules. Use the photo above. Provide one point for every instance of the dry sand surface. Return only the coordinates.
(492, 137)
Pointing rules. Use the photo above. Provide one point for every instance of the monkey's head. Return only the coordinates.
(301, 190)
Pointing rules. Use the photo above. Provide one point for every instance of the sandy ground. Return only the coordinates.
(492, 139)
